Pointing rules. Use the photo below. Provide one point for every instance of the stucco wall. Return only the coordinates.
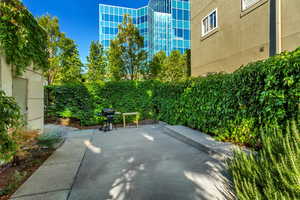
(241, 37)
(290, 24)
(35, 93)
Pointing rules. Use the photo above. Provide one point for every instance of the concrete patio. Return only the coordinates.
(127, 164)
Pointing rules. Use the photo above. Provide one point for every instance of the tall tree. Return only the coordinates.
(156, 65)
(96, 63)
(70, 63)
(63, 53)
(127, 50)
(174, 67)
(115, 63)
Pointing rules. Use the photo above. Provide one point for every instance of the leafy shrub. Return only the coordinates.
(85, 101)
(71, 100)
(274, 173)
(234, 106)
(10, 120)
(230, 106)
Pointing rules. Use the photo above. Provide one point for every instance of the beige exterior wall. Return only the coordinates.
(35, 93)
(241, 37)
(290, 20)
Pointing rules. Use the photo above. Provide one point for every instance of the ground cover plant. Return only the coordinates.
(231, 107)
(272, 173)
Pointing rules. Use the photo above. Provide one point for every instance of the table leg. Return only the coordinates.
(124, 123)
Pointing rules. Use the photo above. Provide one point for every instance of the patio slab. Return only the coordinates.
(127, 164)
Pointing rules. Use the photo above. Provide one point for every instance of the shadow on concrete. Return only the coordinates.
(133, 173)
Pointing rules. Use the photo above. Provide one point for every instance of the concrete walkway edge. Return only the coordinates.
(54, 179)
(200, 141)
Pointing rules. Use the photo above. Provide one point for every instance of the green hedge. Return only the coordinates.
(85, 101)
(233, 106)
(230, 106)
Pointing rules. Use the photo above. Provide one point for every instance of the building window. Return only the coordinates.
(248, 3)
(209, 23)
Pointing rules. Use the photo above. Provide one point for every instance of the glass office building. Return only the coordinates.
(164, 24)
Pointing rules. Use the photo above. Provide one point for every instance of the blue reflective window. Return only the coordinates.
(187, 44)
(174, 13)
(186, 34)
(180, 24)
(179, 5)
(180, 14)
(186, 5)
(186, 14)
(180, 43)
(105, 30)
(174, 23)
(180, 33)
(174, 3)
(105, 9)
(187, 24)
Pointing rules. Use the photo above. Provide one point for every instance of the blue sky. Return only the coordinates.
(78, 18)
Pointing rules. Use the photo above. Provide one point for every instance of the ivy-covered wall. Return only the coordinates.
(230, 106)
(22, 40)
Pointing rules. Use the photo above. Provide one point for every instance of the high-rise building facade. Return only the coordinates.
(164, 24)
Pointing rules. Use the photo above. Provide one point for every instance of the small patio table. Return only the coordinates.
(128, 114)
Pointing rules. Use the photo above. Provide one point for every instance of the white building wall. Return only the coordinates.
(35, 93)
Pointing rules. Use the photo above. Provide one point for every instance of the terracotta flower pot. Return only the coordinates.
(64, 121)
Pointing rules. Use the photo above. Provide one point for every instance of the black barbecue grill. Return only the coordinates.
(109, 114)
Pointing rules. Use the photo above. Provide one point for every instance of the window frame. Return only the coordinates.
(243, 8)
(203, 33)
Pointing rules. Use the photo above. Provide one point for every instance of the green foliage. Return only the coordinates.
(71, 100)
(187, 55)
(22, 40)
(174, 67)
(48, 140)
(97, 66)
(272, 173)
(156, 65)
(233, 106)
(10, 120)
(126, 52)
(85, 101)
(65, 64)
(230, 106)
(115, 62)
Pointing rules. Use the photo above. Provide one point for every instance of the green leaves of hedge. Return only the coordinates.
(230, 106)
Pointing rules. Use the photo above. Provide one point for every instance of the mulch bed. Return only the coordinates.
(12, 176)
